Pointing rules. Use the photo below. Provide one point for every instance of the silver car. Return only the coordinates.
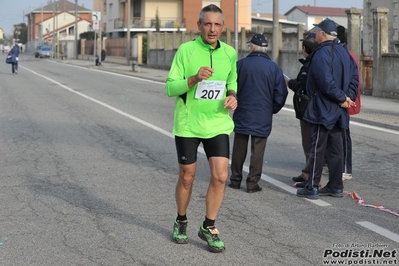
(45, 51)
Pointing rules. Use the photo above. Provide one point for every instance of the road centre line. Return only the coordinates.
(160, 130)
(380, 230)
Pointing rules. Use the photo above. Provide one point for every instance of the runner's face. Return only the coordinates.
(211, 27)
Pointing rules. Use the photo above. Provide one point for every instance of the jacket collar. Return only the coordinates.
(304, 60)
(205, 45)
(259, 54)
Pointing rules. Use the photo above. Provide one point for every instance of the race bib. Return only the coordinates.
(210, 90)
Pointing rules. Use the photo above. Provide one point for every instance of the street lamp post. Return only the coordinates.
(100, 34)
(128, 33)
(76, 29)
(236, 26)
(52, 39)
(41, 26)
(276, 31)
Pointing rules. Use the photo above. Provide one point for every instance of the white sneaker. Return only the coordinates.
(346, 176)
(325, 170)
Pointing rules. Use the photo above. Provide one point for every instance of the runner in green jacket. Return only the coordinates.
(203, 79)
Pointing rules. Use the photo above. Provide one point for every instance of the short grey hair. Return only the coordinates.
(258, 48)
(330, 37)
(210, 8)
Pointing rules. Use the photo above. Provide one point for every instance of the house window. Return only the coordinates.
(137, 8)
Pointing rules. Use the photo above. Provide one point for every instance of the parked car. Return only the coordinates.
(37, 50)
(45, 51)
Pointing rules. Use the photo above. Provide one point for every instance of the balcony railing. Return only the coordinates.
(141, 22)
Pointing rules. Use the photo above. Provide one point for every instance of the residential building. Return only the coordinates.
(56, 19)
(1, 33)
(310, 15)
(172, 15)
(263, 23)
(393, 24)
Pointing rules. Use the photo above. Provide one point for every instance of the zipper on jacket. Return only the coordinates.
(210, 55)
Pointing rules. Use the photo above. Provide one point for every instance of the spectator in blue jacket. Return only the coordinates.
(261, 93)
(332, 84)
(15, 53)
(309, 45)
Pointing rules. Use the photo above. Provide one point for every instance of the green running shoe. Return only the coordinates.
(179, 232)
(210, 234)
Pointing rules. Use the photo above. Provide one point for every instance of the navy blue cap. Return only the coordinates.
(328, 26)
(309, 36)
(259, 40)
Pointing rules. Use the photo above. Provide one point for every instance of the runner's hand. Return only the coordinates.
(230, 102)
(204, 73)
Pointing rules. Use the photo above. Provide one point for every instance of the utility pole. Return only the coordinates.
(100, 33)
(236, 26)
(276, 31)
(58, 39)
(128, 33)
(76, 29)
(32, 29)
(53, 40)
(41, 26)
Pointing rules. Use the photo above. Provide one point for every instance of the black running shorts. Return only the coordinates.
(214, 147)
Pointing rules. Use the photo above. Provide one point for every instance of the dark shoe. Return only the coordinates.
(210, 234)
(253, 190)
(234, 186)
(179, 232)
(298, 178)
(326, 191)
(301, 184)
(306, 193)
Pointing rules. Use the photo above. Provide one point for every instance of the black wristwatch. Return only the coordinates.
(234, 95)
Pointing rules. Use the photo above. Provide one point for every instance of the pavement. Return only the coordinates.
(381, 112)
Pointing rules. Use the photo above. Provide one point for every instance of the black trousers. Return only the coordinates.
(306, 141)
(323, 140)
(240, 147)
(347, 150)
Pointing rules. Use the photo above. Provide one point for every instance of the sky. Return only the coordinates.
(11, 13)
(266, 6)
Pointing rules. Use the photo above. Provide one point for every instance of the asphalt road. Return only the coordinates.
(89, 171)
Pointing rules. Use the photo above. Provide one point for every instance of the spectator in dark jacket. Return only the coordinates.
(261, 93)
(332, 83)
(298, 85)
(347, 174)
(15, 53)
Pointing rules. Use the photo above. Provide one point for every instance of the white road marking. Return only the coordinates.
(391, 131)
(264, 177)
(113, 73)
(380, 230)
(386, 130)
(160, 130)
